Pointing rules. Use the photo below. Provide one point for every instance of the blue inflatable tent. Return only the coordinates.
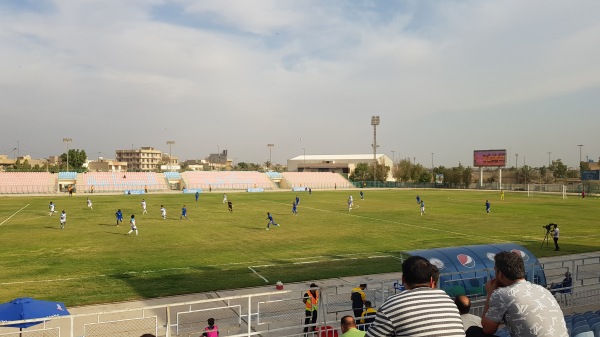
(465, 270)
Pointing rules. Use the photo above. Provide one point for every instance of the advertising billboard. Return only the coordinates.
(489, 158)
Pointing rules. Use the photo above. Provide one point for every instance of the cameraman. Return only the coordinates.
(555, 235)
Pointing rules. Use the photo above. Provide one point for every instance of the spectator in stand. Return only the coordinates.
(367, 316)
(358, 298)
(348, 326)
(420, 310)
(311, 302)
(463, 303)
(211, 330)
(564, 286)
(526, 309)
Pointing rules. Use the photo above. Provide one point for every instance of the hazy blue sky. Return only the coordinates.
(447, 77)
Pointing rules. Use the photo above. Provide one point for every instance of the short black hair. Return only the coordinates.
(211, 321)
(510, 264)
(418, 270)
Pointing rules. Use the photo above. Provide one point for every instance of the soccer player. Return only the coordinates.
(224, 198)
(502, 195)
(119, 216)
(163, 212)
(133, 226)
(230, 206)
(183, 213)
(294, 209)
(144, 211)
(297, 200)
(89, 203)
(51, 207)
(423, 208)
(271, 221)
(418, 199)
(487, 206)
(349, 204)
(197, 195)
(362, 196)
(63, 219)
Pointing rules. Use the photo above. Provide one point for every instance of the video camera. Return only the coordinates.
(549, 226)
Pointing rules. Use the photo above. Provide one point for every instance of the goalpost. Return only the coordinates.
(547, 189)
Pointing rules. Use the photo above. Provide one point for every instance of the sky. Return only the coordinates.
(445, 77)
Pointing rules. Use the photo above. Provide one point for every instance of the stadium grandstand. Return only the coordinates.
(27, 183)
(121, 181)
(271, 311)
(314, 180)
(226, 180)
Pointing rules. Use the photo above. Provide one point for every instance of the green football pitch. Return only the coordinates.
(93, 261)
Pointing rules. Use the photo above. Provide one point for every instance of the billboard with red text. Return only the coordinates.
(489, 158)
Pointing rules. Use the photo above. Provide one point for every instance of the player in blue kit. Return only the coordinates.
(294, 209)
(297, 200)
(271, 221)
(487, 206)
(183, 213)
(119, 216)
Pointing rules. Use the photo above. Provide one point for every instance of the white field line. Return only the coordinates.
(15, 213)
(259, 275)
(253, 264)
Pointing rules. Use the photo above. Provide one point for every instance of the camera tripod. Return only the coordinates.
(546, 238)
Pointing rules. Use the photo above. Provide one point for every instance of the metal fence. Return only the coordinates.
(278, 313)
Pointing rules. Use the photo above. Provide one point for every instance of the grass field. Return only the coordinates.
(93, 261)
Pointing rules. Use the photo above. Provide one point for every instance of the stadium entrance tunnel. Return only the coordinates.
(465, 270)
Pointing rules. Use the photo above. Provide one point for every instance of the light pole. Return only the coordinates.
(549, 161)
(304, 168)
(516, 161)
(393, 156)
(580, 146)
(67, 141)
(375, 122)
(270, 146)
(432, 177)
(170, 142)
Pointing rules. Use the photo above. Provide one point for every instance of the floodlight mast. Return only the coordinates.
(374, 121)
(67, 141)
(170, 143)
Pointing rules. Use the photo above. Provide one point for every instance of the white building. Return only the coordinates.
(344, 163)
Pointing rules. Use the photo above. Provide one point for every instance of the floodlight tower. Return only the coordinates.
(580, 146)
(67, 141)
(170, 142)
(270, 146)
(374, 122)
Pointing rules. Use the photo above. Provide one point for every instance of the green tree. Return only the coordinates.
(559, 170)
(362, 172)
(424, 177)
(76, 159)
(403, 170)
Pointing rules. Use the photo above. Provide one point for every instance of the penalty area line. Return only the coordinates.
(259, 275)
(15, 213)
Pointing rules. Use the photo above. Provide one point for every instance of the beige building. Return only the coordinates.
(144, 159)
(107, 165)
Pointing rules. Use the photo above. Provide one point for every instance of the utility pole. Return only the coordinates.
(270, 146)
(170, 142)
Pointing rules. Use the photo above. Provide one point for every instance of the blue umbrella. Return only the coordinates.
(28, 308)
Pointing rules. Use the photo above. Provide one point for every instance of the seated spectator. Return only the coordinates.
(349, 327)
(368, 316)
(527, 309)
(463, 303)
(564, 286)
(420, 310)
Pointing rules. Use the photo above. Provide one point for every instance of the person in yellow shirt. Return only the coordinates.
(358, 298)
(365, 319)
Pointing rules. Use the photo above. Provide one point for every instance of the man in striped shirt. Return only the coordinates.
(420, 310)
